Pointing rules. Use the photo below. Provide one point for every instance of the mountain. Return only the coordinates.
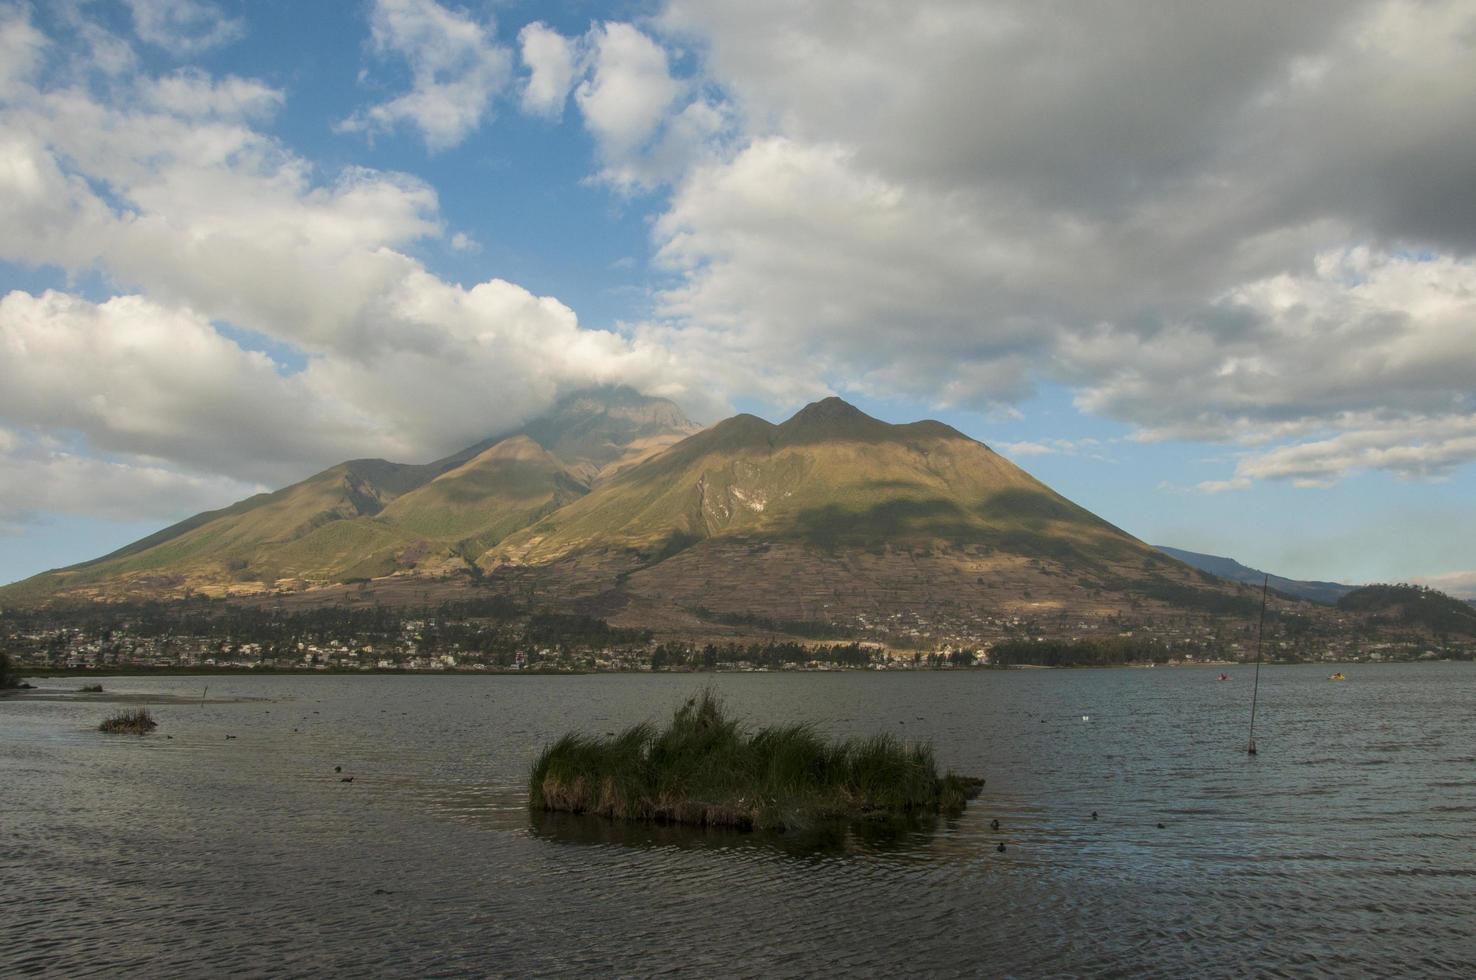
(830, 477)
(1326, 593)
(370, 517)
(837, 516)
(615, 504)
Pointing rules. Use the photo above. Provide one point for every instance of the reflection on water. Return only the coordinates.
(237, 844)
(828, 840)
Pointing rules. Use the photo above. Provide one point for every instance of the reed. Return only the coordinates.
(135, 722)
(706, 769)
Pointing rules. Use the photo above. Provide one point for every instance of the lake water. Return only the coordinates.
(1346, 848)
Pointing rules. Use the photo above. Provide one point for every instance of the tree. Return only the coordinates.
(8, 677)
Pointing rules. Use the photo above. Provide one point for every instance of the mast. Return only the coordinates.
(1256, 686)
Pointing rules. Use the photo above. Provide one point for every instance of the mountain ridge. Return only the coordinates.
(1323, 593)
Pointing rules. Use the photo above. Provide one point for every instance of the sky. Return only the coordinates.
(1207, 269)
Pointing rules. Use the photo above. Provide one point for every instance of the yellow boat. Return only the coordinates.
(1337, 677)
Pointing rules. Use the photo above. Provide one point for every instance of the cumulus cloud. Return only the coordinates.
(1361, 331)
(1231, 223)
(551, 60)
(887, 285)
(650, 126)
(184, 27)
(133, 376)
(1241, 224)
(627, 95)
(215, 233)
(456, 68)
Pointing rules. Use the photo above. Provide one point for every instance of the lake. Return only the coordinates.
(1344, 848)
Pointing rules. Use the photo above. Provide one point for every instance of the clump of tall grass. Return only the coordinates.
(706, 769)
(90, 689)
(135, 722)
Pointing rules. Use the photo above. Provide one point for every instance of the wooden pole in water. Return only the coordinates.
(1256, 685)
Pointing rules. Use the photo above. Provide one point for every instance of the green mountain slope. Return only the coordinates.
(834, 517)
(499, 491)
(367, 518)
(830, 477)
(235, 544)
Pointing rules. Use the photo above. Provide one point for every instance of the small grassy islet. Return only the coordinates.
(707, 769)
(135, 722)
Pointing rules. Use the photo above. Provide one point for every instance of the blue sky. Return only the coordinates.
(1209, 274)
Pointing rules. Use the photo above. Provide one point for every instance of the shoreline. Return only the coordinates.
(93, 672)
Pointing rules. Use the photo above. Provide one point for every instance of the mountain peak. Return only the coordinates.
(833, 418)
(832, 409)
(620, 404)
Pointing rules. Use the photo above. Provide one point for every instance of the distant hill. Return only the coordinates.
(1413, 605)
(1326, 593)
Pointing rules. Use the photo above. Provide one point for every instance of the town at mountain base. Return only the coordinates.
(831, 525)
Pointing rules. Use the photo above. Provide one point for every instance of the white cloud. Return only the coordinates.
(456, 68)
(1054, 447)
(192, 93)
(851, 276)
(132, 376)
(1214, 223)
(1462, 585)
(36, 480)
(184, 27)
(207, 223)
(1220, 486)
(1362, 362)
(1418, 447)
(551, 60)
(1361, 331)
(1027, 448)
(21, 47)
(627, 96)
(649, 126)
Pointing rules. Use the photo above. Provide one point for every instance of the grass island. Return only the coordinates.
(706, 769)
(135, 722)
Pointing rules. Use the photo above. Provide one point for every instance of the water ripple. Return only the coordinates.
(1343, 849)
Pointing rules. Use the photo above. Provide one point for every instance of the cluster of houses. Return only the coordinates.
(898, 642)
